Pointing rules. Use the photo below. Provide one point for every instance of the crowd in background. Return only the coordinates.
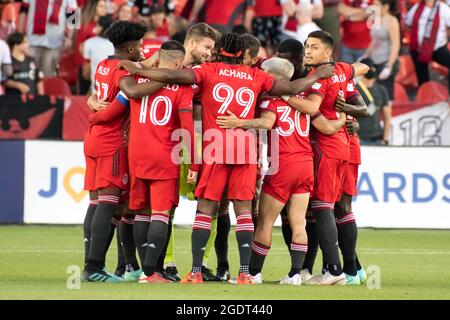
(65, 38)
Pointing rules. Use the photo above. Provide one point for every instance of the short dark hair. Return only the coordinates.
(123, 32)
(240, 29)
(15, 39)
(325, 37)
(202, 30)
(291, 46)
(252, 43)
(105, 22)
(173, 45)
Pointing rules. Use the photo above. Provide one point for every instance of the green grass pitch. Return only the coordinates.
(34, 260)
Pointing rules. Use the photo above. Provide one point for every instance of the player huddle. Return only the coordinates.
(141, 151)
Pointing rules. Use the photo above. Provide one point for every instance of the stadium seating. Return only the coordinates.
(432, 92)
(407, 72)
(56, 87)
(400, 94)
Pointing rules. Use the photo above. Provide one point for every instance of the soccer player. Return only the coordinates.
(227, 85)
(154, 180)
(331, 152)
(290, 150)
(105, 152)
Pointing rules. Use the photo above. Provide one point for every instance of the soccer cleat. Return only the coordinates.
(245, 278)
(305, 275)
(223, 275)
(192, 278)
(101, 276)
(132, 276)
(362, 275)
(171, 273)
(295, 280)
(328, 279)
(207, 275)
(156, 277)
(120, 271)
(352, 280)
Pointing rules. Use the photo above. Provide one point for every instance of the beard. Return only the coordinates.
(197, 57)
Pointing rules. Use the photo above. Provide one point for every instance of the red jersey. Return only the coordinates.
(356, 34)
(267, 8)
(221, 12)
(105, 139)
(336, 145)
(355, 148)
(150, 46)
(232, 88)
(292, 129)
(153, 119)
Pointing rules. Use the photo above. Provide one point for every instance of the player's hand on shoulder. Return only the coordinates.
(130, 66)
(325, 71)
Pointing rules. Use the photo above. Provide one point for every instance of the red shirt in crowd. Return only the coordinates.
(356, 34)
(222, 11)
(267, 8)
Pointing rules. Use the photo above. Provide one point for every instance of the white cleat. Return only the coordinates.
(305, 275)
(295, 280)
(257, 278)
(328, 279)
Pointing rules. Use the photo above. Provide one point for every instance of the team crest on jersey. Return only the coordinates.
(316, 86)
(125, 179)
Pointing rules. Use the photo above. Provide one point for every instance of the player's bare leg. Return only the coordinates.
(296, 207)
(156, 241)
(347, 234)
(201, 231)
(269, 209)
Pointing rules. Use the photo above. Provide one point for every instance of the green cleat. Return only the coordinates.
(102, 276)
(132, 276)
(362, 275)
(352, 280)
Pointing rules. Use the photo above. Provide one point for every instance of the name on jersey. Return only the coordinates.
(338, 78)
(235, 74)
(103, 71)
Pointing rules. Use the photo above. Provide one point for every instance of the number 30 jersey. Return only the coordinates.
(232, 88)
(291, 129)
(153, 120)
(104, 139)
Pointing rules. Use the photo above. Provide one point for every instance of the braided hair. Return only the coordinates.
(230, 49)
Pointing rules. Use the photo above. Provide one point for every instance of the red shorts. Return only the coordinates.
(328, 174)
(350, 179)
(108, 171)
(240, 179)
(294, 178)
(159, 195)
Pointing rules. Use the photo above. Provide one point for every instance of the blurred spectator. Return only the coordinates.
(9, 19)
(264, 21)
(90, 15)
(159, 22)
(377, 100)
(26, 77)
(5, 63)
(222, 15)
(298, 18)
(385, 45)
(124, 13)
(97, 49)
(150, 43)
(330, 22)
(45, 30)
(429, 21)
(355, 32)
(178, 28)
